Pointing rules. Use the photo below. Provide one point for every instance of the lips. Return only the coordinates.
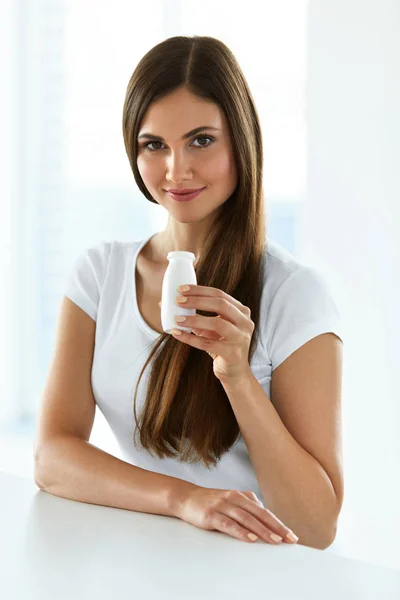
(182, 193)
(185, 197)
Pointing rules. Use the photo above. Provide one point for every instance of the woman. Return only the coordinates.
(248, 405)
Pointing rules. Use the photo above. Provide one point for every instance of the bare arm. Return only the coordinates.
(65, 463)
(72, 468)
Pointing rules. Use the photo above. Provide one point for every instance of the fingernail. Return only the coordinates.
(159, 304)
(276, 538)
(292, 537)
(252, 537)
(184, 288)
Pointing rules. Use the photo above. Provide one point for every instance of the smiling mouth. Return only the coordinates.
(186, 197)
(183, 193)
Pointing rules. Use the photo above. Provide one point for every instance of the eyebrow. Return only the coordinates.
(185, 136)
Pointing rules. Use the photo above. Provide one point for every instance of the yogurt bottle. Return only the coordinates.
(180, 271)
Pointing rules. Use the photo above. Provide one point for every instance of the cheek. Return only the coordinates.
(145, 170)
(220, 166)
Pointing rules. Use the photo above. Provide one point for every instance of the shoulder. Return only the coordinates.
(103, 253)
(96, 262)
(280, 266)
(290, 279)
(297, 304)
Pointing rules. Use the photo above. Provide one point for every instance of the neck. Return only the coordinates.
(170, 241)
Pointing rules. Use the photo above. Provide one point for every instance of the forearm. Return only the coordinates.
(75, 469)
(295, 486)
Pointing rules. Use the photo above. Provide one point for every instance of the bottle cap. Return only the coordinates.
(180, 254)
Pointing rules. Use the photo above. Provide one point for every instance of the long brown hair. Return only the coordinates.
(185, 402)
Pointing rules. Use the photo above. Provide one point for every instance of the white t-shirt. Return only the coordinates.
(296, 306)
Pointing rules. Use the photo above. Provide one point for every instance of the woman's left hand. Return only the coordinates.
(226, 338)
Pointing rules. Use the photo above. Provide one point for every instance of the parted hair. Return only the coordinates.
(186, 413)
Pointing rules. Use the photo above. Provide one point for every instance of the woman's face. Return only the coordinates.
(205, 159)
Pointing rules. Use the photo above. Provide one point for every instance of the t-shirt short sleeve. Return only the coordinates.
(301, 309)
(85, 280)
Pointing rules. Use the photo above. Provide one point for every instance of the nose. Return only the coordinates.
(178, 167)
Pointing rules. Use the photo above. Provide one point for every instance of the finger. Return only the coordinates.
(267, 518)
(202, 343)
(221, 522)
(200, 290)
(220, 306)
(250, 523)
(212, 335)
(223, 329)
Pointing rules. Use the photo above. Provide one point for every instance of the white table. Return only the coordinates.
(52, 548)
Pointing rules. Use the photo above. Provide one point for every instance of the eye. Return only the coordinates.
(198, 137)
(204, 137)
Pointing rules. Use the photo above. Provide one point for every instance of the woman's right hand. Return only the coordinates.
(232, 512)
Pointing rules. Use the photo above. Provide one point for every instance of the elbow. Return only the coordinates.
(324, 536)
(330, 532)
(330, 526)
(40, 485)
(328, 539)
(320, 541)
(37, 475)
(38, 479)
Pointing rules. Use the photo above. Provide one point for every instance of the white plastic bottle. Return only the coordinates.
(180, 271)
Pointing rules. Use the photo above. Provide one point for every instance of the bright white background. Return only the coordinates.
(324, 75)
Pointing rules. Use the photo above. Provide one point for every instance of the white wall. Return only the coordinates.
(351, 229)
(8, 147)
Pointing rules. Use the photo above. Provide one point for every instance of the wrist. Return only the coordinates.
(178, 492)
(239, 382)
